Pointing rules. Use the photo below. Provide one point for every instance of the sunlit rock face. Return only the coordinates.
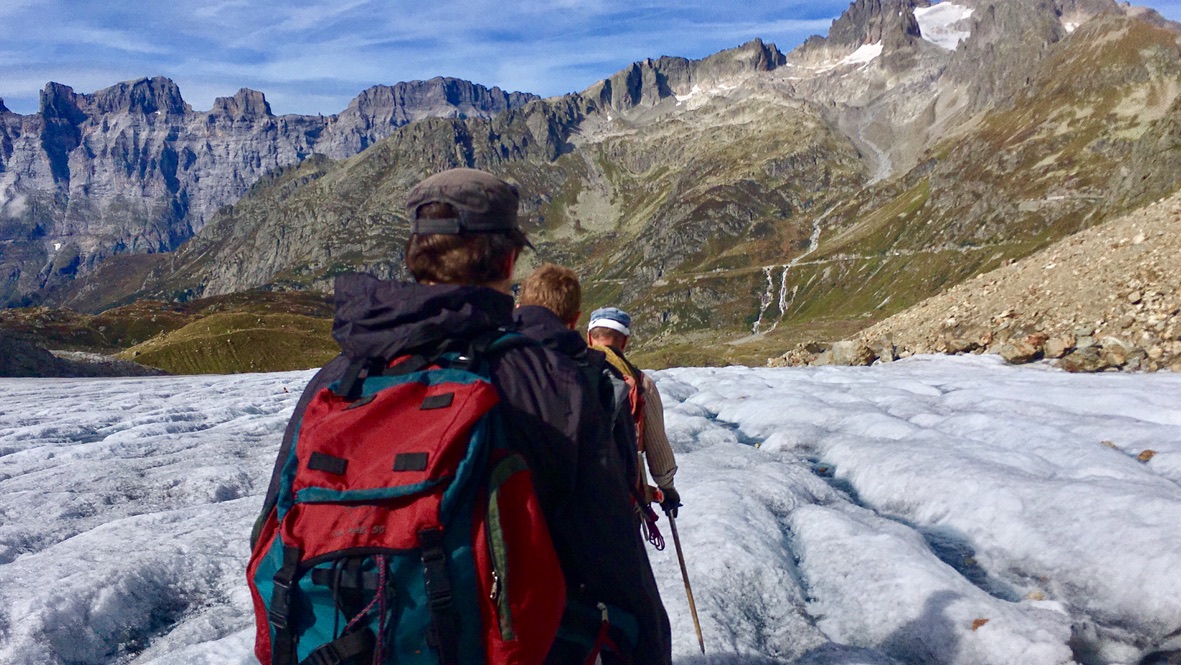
(134, 169)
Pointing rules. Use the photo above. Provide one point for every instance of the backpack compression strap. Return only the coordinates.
(444, 634)
(279, 616)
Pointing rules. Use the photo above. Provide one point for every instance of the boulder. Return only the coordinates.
(1056, 347)
(801, 355)
(1088, 359)
(1021, 351)
(884, 349)
(962, 345)
(851, 353)
(814, 347)
(1115, 352)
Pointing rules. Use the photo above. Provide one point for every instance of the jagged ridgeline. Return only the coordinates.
(750, 199)
(133, 169)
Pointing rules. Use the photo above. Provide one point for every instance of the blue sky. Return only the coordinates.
(313, 56)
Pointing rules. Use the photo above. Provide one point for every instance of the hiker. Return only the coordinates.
(464, 244)
(609, 331)
(548, 309)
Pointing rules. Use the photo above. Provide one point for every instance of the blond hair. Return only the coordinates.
(555, 288)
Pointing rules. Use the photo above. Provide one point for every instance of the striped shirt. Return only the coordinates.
(659, 453)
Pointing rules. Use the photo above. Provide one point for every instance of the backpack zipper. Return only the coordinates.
(498, 551)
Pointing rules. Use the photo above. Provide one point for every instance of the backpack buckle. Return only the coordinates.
(280, 605)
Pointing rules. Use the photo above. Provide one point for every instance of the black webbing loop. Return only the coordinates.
(410, 365)
(444, 634)
(493, 342)
(336, 580)
(279, 614)
(498, 341)
(353, 379)
(456, 352)
(352, 647)
(440, 353)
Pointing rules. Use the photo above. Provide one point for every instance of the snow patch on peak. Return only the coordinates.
(864, 54)
(697, 95)
(944, 24)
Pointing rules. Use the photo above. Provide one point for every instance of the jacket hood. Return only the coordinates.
(544, 326)
(383, 319)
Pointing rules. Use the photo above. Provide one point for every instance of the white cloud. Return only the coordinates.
(214, 10)
(314, 55)
(122, 40)
(317, 16)
(11, 8)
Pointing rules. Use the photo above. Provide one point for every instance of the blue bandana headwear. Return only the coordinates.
(613, 318)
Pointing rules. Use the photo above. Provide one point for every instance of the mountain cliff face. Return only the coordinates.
(654, 171)
(133, 169)
(750, 199)
(888, 24)
(651, 82)
(1065, 148)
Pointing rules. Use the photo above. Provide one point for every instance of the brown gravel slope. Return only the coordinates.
(1108, 297)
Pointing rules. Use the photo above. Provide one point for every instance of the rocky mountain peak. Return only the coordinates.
(753, 56)
(1150, 16)
(378, 110)
(1006, 37)
(443, 96)
(134, 169)
(59, 101)
(1087, 7)
(3, 108)
(144, 96)
(890, 23)
(246, 103)
(147, 95)
(874, 21)
(648, 82)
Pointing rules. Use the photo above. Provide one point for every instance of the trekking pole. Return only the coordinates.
(672, 523)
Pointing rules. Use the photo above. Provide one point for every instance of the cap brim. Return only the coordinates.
(519, 235)
(609, 323)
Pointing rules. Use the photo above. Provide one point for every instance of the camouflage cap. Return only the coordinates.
(484, 203)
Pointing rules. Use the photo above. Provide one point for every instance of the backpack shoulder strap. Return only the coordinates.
(467, 354)
(491, 344)
(498, 341)
(350, 383)
(621, 364)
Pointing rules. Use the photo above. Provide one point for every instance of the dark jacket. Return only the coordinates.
(550, 417)
(542, 325)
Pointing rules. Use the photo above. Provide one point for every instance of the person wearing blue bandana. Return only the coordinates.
(609, 330)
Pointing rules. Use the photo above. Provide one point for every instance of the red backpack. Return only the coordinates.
(406, 531)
